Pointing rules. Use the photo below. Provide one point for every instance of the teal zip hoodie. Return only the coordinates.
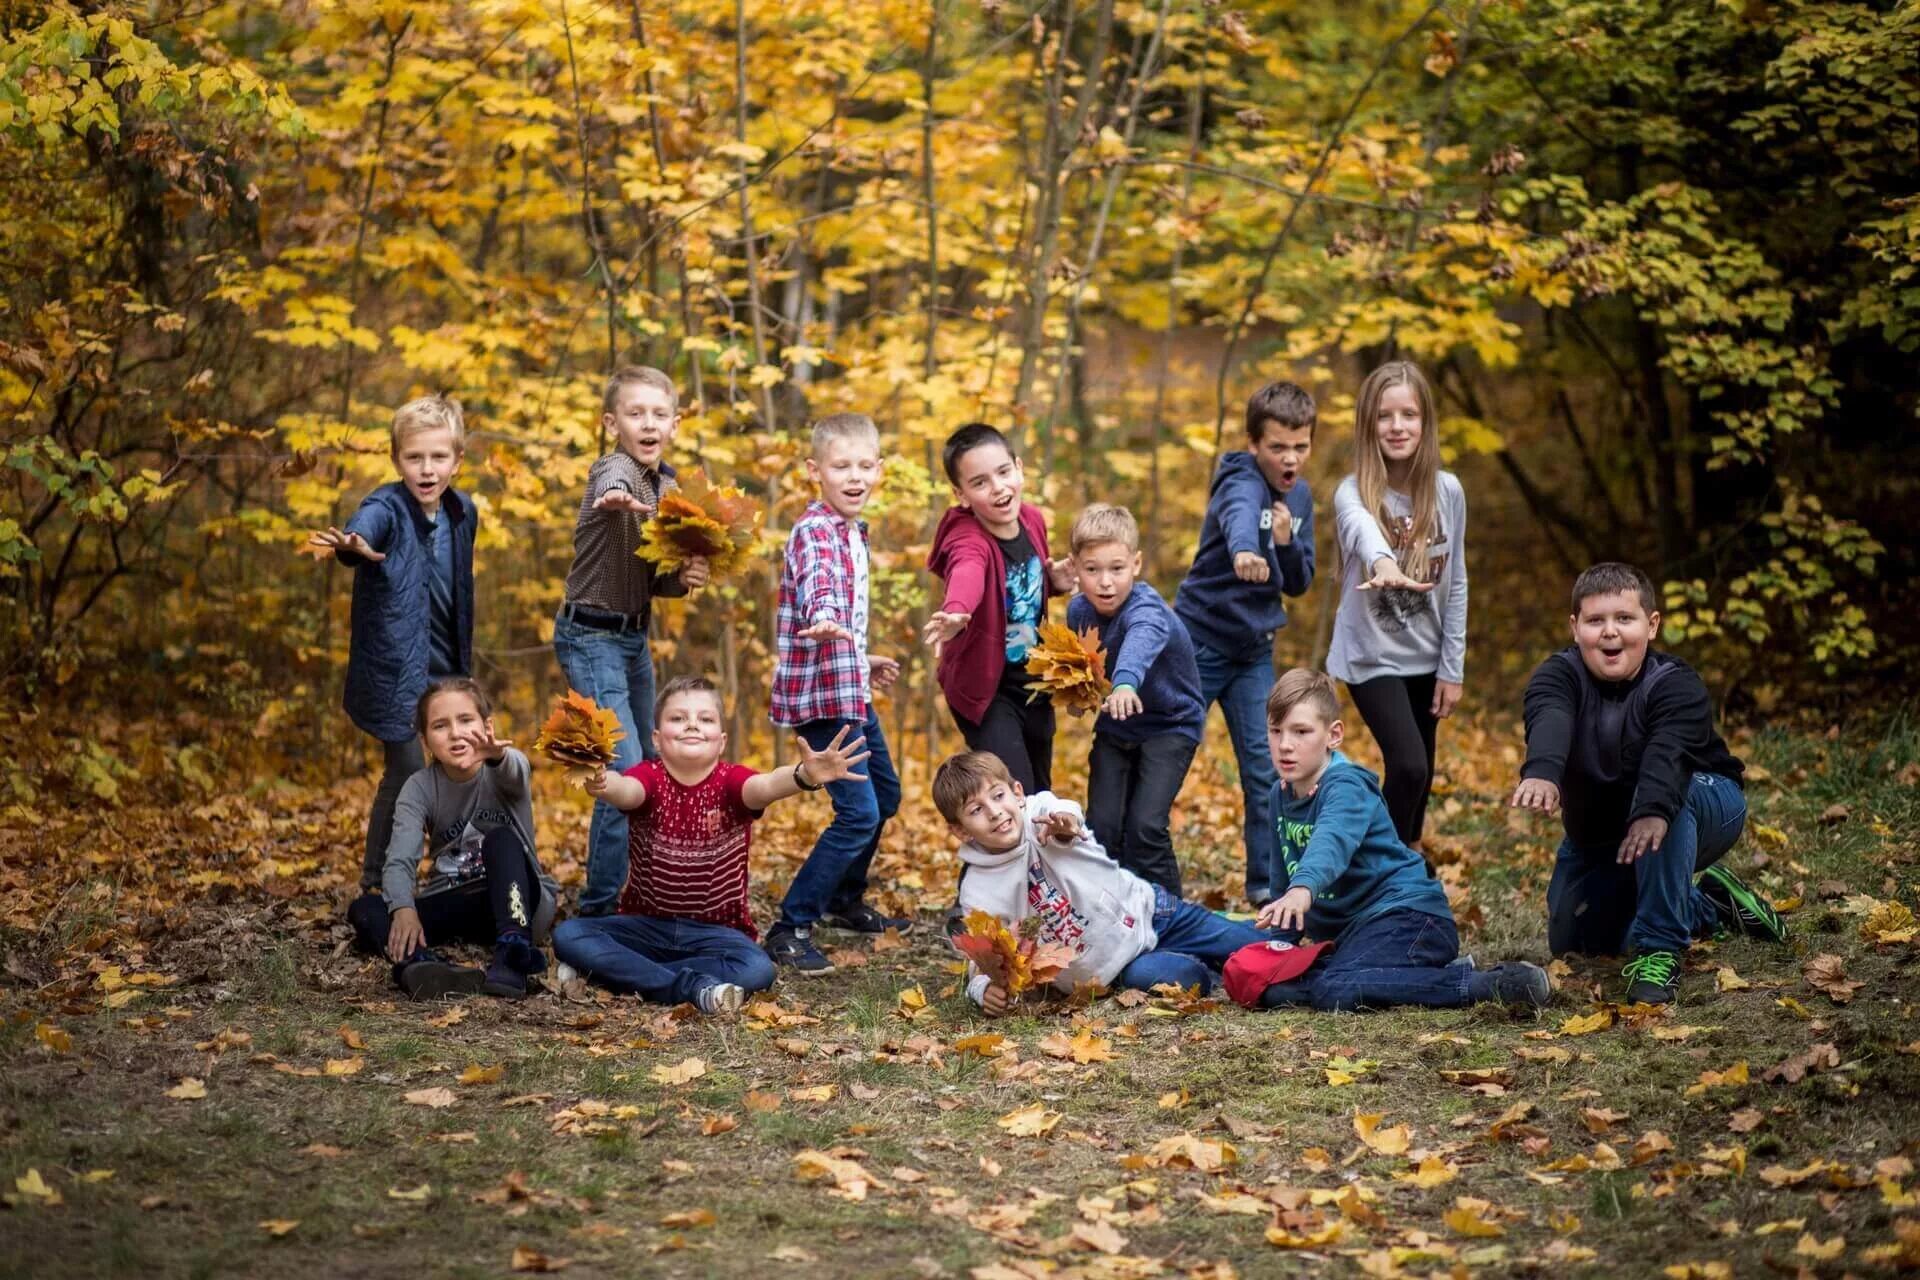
(1340, 843)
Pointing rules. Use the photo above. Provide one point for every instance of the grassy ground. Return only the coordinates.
(1206, 1131)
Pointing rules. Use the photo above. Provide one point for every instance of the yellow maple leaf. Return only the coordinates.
(699, 518)
(679, 1073)
(580, 734)
(1388, 1142)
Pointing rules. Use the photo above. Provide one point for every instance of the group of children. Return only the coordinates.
(1619, 737)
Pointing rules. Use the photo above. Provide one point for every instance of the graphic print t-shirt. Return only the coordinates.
(1407, 620)
(687, 847)
(1026, 590)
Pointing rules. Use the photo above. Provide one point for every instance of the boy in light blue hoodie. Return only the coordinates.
(1351, 881)
(1256, 548)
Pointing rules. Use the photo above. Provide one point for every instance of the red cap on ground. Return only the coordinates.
(1258, 965)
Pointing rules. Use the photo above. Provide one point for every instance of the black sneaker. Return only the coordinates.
(431, 978)
(1741, 909)
(1514, 983)
(861, 918)
(1653, 977)
(504, 977)
(793, 948)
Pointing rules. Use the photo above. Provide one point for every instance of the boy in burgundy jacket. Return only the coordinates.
(991, 550)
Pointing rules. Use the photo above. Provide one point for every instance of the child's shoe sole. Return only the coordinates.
(436, 980)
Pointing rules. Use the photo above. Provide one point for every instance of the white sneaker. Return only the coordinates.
(721, 997)
(564, 973)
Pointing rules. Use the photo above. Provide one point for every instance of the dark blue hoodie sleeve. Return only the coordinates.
(1148, 628)
(1242, 499)
(1345, 807)
(1294, 559)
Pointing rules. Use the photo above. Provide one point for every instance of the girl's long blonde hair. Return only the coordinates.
(1370, 465)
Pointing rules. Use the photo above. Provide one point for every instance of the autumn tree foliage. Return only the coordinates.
(1660, 258)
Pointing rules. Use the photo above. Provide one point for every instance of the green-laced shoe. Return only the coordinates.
(1741, 909)
(1652, 977)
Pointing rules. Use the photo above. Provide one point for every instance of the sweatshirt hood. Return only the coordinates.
(1233, 466)
(974, 856)
(957, 526)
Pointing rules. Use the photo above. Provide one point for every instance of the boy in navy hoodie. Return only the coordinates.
(1256, 547)
(1351, 881)
(1151, 723)
(411, 548)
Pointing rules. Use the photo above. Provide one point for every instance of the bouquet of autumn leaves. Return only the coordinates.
(1070, 668)
(699, 518)
(1014, 964)
(579, 734)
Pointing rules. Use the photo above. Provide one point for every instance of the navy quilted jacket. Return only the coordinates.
(387, 665)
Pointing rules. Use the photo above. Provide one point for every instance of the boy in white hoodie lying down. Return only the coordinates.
(1033, 856)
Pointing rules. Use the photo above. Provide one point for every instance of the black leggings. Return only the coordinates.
(1020, 733)
(1399, 713)
(504, 900)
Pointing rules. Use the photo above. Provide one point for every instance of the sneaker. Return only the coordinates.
(1741, 909)
(431, 978)
(506, 977)
(1652, 977)
(861, 918)
(1515, 983)
(792, 948)
(720, 997)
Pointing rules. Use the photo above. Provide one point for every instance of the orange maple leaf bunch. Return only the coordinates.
(579, 734)
(1070, 668)
(700, 518)
(1014, 964)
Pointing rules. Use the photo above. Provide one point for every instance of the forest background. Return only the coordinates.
(1661, 260)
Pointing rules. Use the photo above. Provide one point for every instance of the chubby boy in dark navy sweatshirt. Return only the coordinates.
(1351, 881)
(1256, 548)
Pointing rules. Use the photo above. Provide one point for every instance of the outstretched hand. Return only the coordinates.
(1389, 576)
(1060, 827)
(1251, 566)
(1124, 701)
(621, 500)
(1062, 574)
(484, 744)
(825, 631)
(835, 761)
(1537, 794)
(941, 628)
(332, 539)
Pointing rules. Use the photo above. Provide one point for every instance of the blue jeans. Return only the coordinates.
(615, 669)
(1595, 906)
(1241, 689)
(1193, 943)
(834, 876)
(665, 961)
(1401, 957)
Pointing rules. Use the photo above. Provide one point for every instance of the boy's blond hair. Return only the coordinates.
(636, 375)
(1315, 688)
(964, 776)
(1104, 522)
(843, 426)
(429, 413)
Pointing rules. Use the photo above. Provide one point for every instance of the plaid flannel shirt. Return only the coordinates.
(818, 679)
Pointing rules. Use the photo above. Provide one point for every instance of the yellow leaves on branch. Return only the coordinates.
(700, 518)
(1069, 668)
(579, 734)
(1012, 964)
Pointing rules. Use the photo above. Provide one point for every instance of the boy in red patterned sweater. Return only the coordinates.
(683, 933)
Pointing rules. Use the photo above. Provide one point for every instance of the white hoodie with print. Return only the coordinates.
(1084, 900)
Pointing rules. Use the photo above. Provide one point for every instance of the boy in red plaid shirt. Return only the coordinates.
(823, 686)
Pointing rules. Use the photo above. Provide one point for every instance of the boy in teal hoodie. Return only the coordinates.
(1352, 882)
